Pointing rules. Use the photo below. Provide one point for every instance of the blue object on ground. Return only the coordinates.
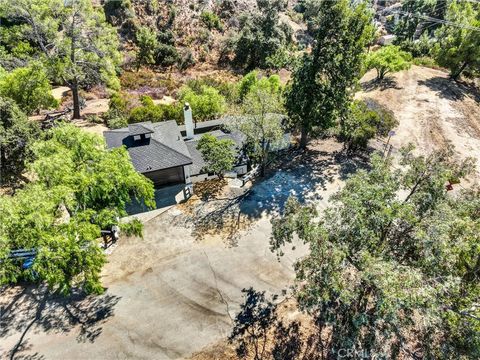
(27, 264)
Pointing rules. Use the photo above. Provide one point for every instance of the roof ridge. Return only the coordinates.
(170, 148)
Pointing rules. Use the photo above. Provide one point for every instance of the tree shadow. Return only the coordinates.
(29, 308)
(380, 84)
(260, 330)
(303, 174)
(451, 90)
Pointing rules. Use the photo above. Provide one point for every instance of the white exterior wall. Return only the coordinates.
(186, 170)
(202, 177)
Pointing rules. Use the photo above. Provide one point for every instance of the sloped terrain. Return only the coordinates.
(432, 110)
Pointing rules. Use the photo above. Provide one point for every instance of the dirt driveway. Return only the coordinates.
(169, 294)
(433, 110)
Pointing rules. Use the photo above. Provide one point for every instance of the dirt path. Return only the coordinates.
(432, 110)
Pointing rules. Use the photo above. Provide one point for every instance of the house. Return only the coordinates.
(157, 150)
(167, 153)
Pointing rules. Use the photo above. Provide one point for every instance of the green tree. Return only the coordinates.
(388, 59)
(320, 88)
(29, 87)
(411, 24)
(205, 103)
(79, 187)
(252, 81)
(219, 154)
(16, 135)
(261, 123)
(79, 47)
(261, 35)
(363, 123)
(458, 48)
(147, 47)
(393, 255)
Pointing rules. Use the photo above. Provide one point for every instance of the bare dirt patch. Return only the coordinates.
(433, 110)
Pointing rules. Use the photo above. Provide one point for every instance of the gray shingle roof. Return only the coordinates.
(164, 149)
(140, 128)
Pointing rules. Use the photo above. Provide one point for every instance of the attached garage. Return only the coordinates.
(174, 175)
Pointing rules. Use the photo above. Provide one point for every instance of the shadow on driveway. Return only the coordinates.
(32, 309)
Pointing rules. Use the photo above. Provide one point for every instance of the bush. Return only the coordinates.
(186, 60)
(418, 48)
(94, 119)
(425, 61)
(145, 113)
(117, 107)
(167, 55)
(172, 112)
(29, 87)
(155, 113)
(205, 103)
(211, 20)
(364, 121)
(117, 123)
(252, 81)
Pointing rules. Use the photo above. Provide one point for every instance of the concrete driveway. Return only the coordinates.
(169, 294)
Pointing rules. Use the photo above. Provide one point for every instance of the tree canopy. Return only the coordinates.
(393, 255)
(261, 35)
(29, 87)
(388, 59)
(261, 123)
(321, 85)
(17, 133)
(79, 188)
(219, 154)
(458, 47)
(71, 37)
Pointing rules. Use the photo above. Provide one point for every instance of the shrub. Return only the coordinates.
(172, 112)
(29, 87)
(167, 55)
(425, 61)
(117, 122)
(206, 103)
(364, 121)
(145, 113)
(94, 119)
(185, 60)
(117, 107)
(211, 20)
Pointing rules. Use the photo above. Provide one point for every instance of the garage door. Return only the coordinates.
(167, 177)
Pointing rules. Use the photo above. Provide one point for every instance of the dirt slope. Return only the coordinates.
(432, 110)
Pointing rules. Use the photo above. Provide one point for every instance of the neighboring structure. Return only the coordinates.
(386, 39)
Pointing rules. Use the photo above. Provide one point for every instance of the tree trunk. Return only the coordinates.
(457, 74)
(303, 137)
(76, 99)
